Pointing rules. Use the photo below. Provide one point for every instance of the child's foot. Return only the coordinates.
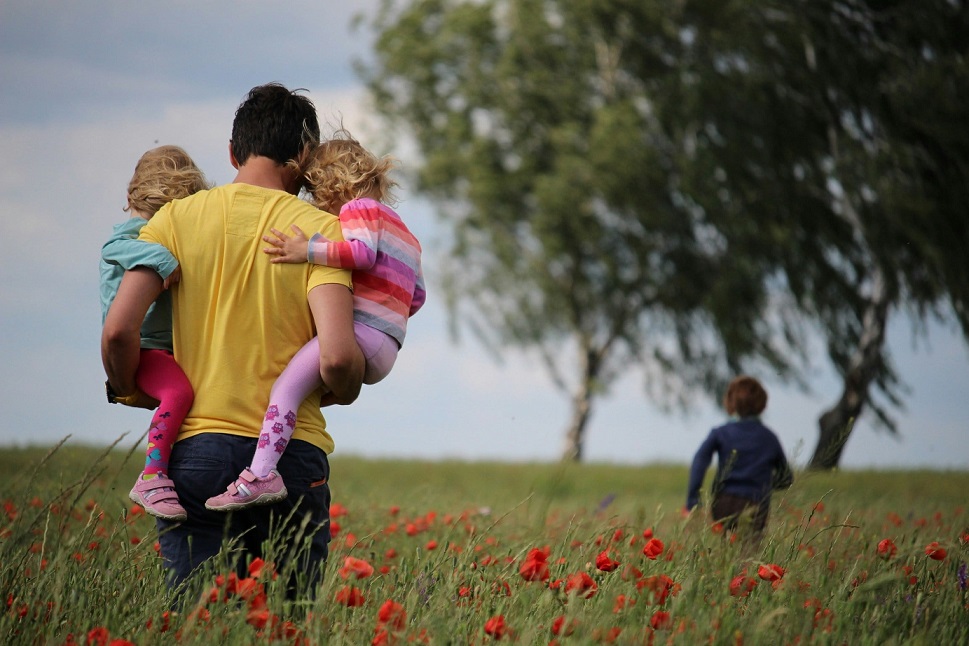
(249, 490)
(157, 495)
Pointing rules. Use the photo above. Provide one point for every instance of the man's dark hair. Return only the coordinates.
(274, 122)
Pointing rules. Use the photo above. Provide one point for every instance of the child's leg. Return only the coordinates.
(297, 381)
(161, 377)
(379, 349)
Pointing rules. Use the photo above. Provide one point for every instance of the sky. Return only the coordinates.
(88, 87)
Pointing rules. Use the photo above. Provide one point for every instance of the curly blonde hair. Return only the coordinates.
(340, 169)
(161, 175)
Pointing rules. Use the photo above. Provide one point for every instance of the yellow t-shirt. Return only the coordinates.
(237, 318)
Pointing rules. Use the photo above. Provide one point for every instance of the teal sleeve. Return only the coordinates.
(131, 252)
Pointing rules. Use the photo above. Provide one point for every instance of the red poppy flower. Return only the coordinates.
(535, 566)
(630, 572)
(501, 587)
(771, 572)
(653, 548)
(163, 625)
(661, 586)
(258, 617)
(559, 627)
(660, 620)
(248, 588)
(337, 510)
(257, 566)
(935, 551)
(356, 567)
(604, 563)
(98, 636)
(606, 636)
(621, 602)
(350, 596)
(886, 548)
(581, 584)
(392, 614)
(741, 585)
(496, 627)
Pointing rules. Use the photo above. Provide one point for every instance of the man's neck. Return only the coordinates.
(264, 172)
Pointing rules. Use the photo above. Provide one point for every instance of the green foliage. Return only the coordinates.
(447, 542)
(687, 186)
(560, 184)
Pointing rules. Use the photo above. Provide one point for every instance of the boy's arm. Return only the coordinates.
(698, 469)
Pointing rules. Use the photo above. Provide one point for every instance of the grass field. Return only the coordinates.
(470, 553)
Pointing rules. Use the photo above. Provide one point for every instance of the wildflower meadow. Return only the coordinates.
(475, 553)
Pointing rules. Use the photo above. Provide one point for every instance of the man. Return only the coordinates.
(238, 319)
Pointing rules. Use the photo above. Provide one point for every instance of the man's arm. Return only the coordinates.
(121, 335)
(341, 361)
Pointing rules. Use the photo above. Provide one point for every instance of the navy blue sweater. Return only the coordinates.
(750, 462)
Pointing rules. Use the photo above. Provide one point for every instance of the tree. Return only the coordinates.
(560, 187)
(821, 115)
(672, 185)
(898, 164)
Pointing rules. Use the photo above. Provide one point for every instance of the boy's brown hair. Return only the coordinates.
(161, 175)
(745, 397)
(340, 169)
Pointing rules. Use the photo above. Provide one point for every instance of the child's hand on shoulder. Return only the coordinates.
(285, 248)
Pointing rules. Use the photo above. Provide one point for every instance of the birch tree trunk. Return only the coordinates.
(835, 424)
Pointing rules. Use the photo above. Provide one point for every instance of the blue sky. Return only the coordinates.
(90, 86)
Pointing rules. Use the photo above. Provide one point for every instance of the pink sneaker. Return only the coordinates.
(158, 497)
(249, 490)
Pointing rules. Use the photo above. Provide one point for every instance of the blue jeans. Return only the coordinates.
(202, 466)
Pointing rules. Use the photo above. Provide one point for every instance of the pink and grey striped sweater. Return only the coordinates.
(388, 283)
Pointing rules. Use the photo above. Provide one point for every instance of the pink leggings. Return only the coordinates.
(161, 377)
(300, 378)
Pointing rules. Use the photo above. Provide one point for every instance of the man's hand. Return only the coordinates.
(286, 249)
(142, 400)
(136, 399)
(173, 278)
(329, 399)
